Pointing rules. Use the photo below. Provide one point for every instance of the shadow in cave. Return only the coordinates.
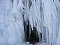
(31, 35)
(34, 36)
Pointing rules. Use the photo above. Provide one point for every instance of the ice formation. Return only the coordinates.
(44, 15)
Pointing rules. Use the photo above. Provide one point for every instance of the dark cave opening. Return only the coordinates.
(34, 36)
(30, 35)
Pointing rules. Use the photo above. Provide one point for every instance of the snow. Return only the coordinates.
(42, 44)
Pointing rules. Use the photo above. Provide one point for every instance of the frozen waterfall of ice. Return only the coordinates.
(11, 23)
(43, 14)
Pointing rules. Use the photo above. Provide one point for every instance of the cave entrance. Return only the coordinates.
(34, 36)
(30, 35)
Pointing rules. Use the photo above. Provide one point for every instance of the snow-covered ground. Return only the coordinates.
(42, 44)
